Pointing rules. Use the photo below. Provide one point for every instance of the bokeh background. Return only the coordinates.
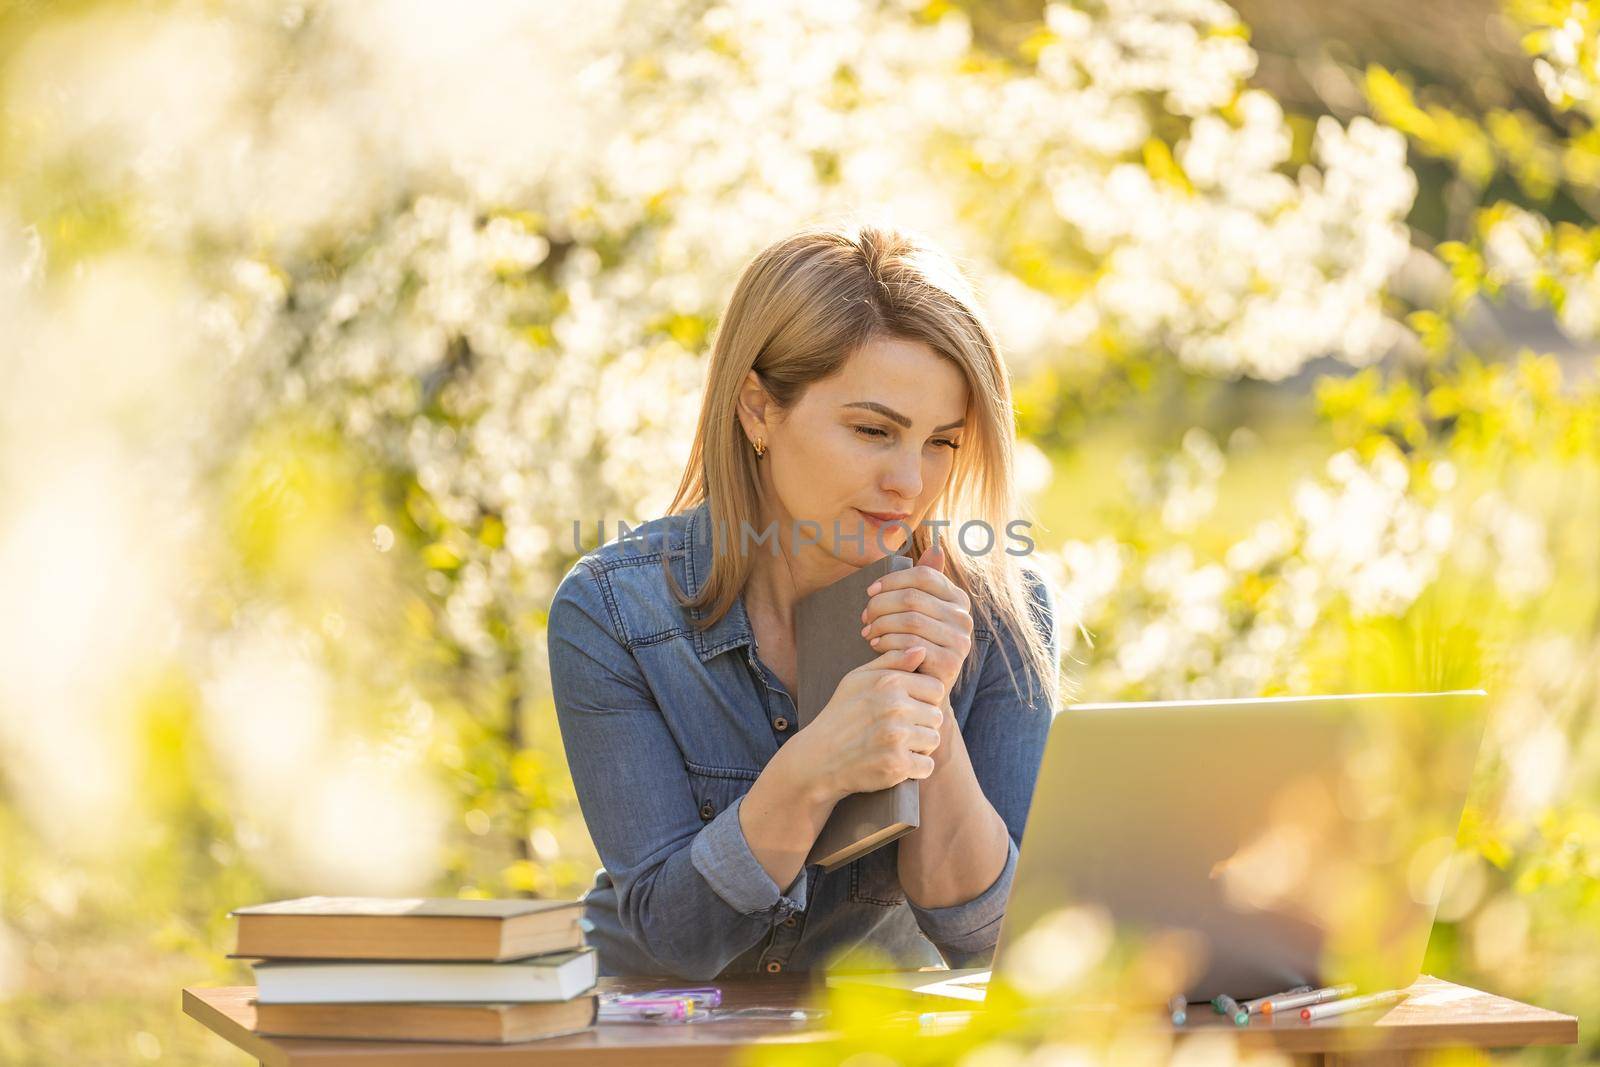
(323, 321)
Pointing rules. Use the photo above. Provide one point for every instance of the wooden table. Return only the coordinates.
(1438, 1015)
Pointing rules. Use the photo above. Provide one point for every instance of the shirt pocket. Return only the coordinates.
(875, 877)
(716, 788)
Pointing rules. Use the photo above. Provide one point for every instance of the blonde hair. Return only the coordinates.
(799, 310)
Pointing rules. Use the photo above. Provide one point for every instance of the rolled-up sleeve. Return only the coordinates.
(1005, 734)
(723, 857)
(690, 893)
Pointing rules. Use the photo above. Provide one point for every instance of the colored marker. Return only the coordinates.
(669, 1009)
(1300, 1000)
(1340, 1007)
(702, 996)
(1226, 1005)
(1256, 1006)
(1179, 1007)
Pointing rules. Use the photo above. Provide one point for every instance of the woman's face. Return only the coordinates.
(873, 442)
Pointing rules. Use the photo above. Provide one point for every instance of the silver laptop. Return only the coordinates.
(1270, 842)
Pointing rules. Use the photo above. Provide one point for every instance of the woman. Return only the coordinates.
(855, 396)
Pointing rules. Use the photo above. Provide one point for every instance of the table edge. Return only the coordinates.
(1554, 1030)
(220, 1023)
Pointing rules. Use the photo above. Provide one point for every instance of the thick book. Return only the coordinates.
(559, 977)
(382, 928)
(829, 646)
(490, 1024)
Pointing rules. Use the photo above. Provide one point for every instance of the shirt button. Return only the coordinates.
(780, 724)
(789, 922)
(773, 966)
(706, 811)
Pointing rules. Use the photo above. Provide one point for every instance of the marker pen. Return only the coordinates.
(1256, 1006)
(1230, 1007)
(1300, 1000)
(1340, 1007)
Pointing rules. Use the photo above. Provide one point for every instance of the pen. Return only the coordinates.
(641, 1008)
(1340, 1007)
(1300, 1000)
(1230, 1007)
(786, 1015)
(1179, 1007)
(702, 996)
(1258, 1005)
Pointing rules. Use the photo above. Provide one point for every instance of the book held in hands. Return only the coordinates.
(829, 646)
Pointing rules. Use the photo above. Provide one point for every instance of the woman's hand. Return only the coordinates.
(919, 607)
(880, 727)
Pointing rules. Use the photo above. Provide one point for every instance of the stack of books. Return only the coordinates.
(492, 971)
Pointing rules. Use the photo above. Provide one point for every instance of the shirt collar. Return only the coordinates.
(733, 629)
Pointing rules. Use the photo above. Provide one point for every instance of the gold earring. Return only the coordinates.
(761, 448)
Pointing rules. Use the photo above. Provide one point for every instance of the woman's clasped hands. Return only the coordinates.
(880, 728)
(919, 607)
(888, 717)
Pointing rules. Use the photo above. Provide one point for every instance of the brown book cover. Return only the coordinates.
(829, 646)
(493, 1024)
(383, 928)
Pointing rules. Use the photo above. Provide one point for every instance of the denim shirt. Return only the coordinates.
(667, 727)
